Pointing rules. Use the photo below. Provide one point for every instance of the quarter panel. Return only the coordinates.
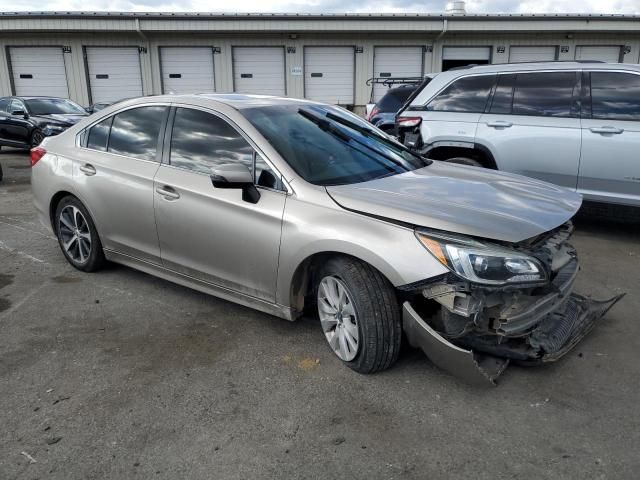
(315, 224)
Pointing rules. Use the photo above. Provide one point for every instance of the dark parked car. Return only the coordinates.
(26, 121)
(383, 113)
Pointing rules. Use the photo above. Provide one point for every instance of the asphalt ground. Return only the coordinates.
(118, 374)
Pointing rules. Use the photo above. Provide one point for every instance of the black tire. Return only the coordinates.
(465, 161)
(95, 260)
(378, 312)
(36, 138)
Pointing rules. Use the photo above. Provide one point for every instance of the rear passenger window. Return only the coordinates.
(545, 94)
(135, 132)
(201, 141)
(98, 135)
(615, 96)
(465, 95)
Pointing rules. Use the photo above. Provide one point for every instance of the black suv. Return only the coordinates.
(26, 121)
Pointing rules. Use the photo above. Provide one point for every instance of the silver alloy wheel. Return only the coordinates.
(338, 318)
(74, 233)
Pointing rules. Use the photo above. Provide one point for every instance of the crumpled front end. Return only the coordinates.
(474, 331)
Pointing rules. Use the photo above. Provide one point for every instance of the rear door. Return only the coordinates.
(533, 127)
(610, 164)
(114, 73)
(210, 233)
(114, 175)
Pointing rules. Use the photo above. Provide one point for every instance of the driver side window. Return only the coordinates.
(201, 141)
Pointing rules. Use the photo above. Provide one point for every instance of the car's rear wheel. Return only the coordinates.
(465, 161)
(359, 314)
(36, 138)
(78, 236)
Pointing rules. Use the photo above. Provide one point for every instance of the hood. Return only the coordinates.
(67, 120)
(465, 200)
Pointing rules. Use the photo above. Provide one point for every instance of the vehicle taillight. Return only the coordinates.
(408, 122)
(36, 154)
(374, 112)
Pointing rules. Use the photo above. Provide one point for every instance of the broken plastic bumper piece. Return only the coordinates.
(553, 338)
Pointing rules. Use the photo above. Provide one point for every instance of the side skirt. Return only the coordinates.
(275, 309)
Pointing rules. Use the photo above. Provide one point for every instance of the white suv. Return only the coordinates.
(570, 123)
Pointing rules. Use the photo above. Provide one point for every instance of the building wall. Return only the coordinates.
(431, 39)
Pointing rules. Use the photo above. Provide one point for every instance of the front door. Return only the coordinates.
(17, 126)
(610, 165)
(211, 233)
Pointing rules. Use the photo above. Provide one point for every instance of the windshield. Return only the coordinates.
(48, 106)
(326, 150)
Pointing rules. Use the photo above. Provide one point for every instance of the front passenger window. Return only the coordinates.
(200, 141)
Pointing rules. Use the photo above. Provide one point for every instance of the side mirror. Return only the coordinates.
(236, 175)
(19, 113)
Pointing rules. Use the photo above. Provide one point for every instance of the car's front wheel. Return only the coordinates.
(464, 161)
(78, 236)
(36, 138)
(359, 314)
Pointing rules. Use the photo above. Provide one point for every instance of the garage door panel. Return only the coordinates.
(39, 71)
(114, 73)
(519, 54)
(396, 62)
(187, 69)
(259, 70)
(329, 74)
(602, 53)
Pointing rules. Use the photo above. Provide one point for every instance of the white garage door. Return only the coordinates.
(532, 54)
(601, 53)
(38, 71)
(187, 70)
(329, 74)
(466, 53)
(114, 73)
(396, 62)
(259, 70)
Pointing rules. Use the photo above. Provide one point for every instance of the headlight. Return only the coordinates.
(481, 262)
(53, 129)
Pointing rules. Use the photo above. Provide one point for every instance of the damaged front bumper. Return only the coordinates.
(477, 330)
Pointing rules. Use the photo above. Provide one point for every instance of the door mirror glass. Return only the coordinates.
(19, 113)
(235, 175)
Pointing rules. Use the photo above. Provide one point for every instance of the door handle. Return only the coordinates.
(168, 192)
(607, 130)
(88, 169)
(499, 124)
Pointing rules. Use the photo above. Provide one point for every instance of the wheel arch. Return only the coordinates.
(476, 151)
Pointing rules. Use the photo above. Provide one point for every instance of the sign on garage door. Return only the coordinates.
(259, 70)
(532, 54)
(114, 73)
(38, 71)
(187, 69)
(600, 53)
(329, 74)
(396, 62)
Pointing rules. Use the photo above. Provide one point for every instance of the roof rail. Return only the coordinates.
(388, 81)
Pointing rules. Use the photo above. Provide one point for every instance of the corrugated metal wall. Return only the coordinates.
(294, 47)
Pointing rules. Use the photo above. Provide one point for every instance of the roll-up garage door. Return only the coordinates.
(396, 62)
(329, 74)
(532, 54)
(187, 69)
(601, 53)
(114, 73)
(38, 71)
(259, 70)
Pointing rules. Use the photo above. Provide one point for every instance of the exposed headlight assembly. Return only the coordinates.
(481, 262)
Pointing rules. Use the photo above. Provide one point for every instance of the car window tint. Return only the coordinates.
(98, 135)
(134, 132)
(464, 95)
(394, 99)
(201, 141)
(4, 104)
(503, 96)
(544, 94)
(615, 96)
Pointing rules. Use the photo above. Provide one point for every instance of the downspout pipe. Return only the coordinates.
(445, 26)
